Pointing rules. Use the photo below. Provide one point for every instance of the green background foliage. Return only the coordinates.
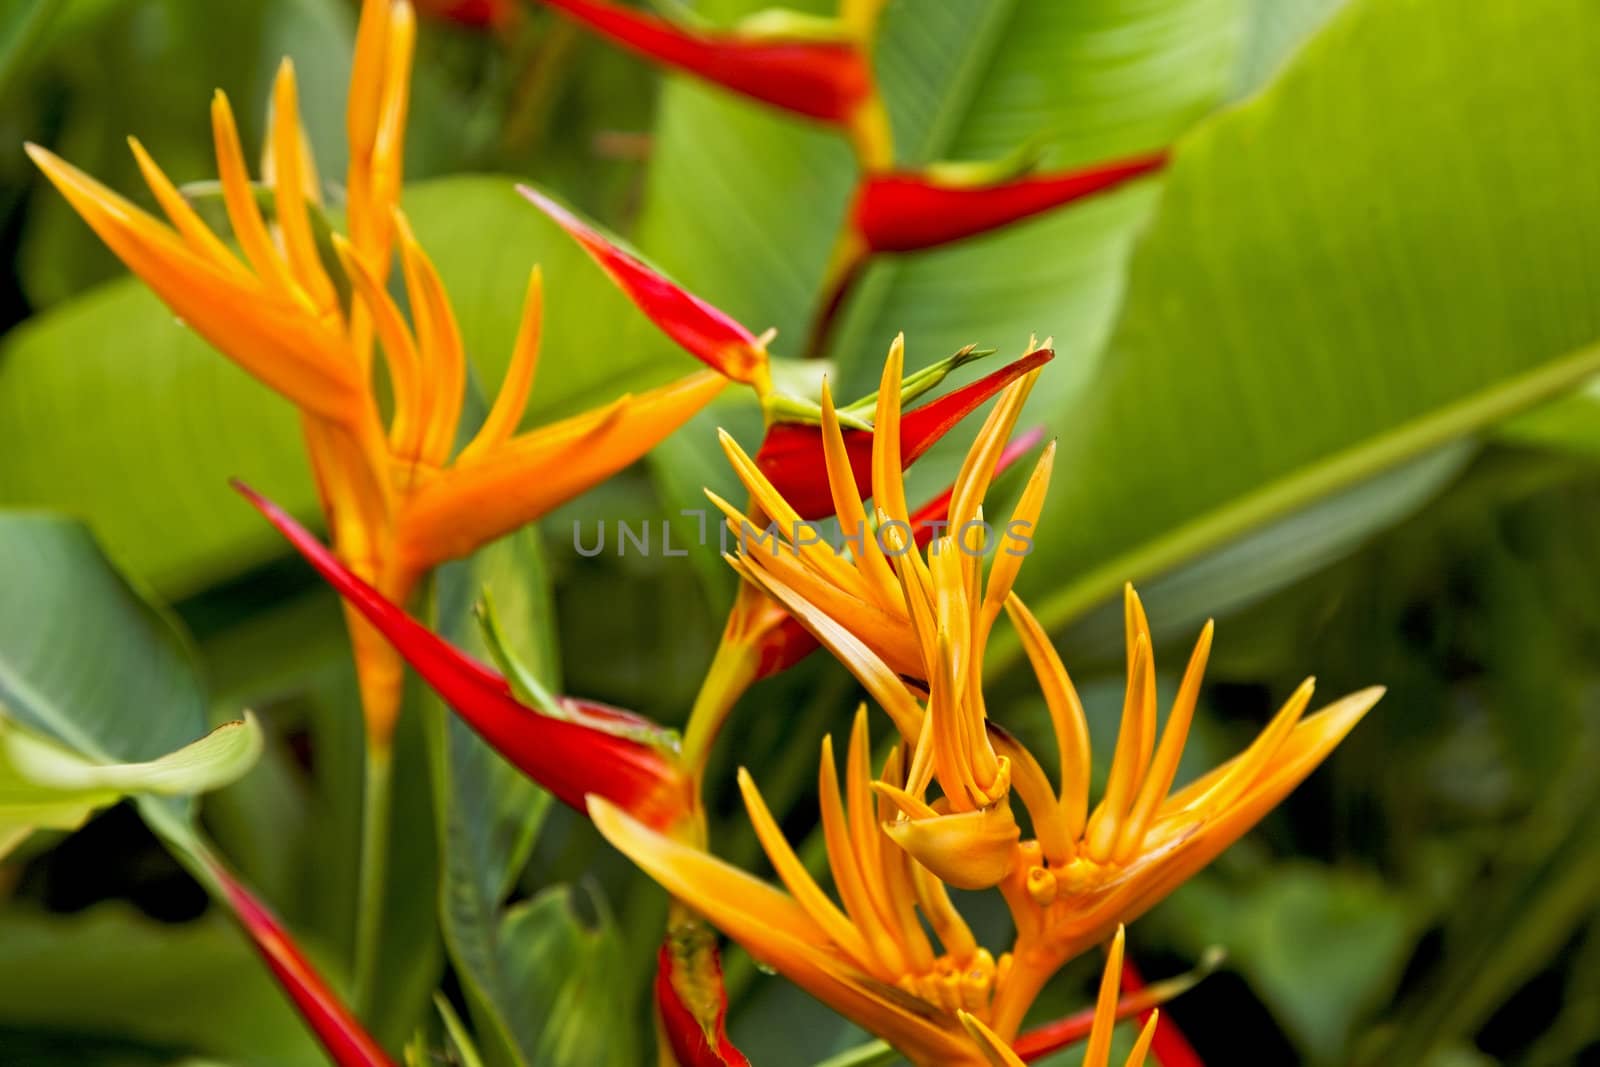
(1328, 379)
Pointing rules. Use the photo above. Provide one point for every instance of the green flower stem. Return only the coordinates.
(372, 883)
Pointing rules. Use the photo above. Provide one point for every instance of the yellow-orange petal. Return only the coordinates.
(881, 682)
(267, 334)
(196, 233)
(805, 891)
(510, 486)
(969, 850)
(778, 933)
(289, 154)
(1098, 1053)
(995, 1050)
(512, 400)
(888, 486)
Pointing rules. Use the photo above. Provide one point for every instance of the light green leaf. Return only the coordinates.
(216, 759)
(44, 784)
(1317, 247)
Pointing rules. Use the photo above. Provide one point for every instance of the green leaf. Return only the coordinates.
(1274, 29)
(117, 413)
(45, 784)
(1314, 246)
(568, 973)
(1569, 424)
(196, 987)
(1322, 947)
(488, 812)
(84, 658)
(963, 80)
(216, 759)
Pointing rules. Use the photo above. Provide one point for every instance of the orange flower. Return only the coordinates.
(912, 627)
(397, 501)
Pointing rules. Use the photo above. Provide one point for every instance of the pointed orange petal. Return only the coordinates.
(513, 485)
(268, 335)
(512, 400)
(777, 932)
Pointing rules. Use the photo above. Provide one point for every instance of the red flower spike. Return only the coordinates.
(694, 1041)
(706, 333)
(347, 1044)
(791, 453)
(1171, 1048)
(590, 749)
(824, 80)
(787, 643)
(906, 212)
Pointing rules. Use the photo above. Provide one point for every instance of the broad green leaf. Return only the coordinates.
(84, 658)
(1570, 424)
(1316, 248)
(1539, 891)
(1274, 29)
(44, 784)
(569, 972)
(196, 987)
(1322, 947)
(116, 413)
(488, 813)
(744, 204)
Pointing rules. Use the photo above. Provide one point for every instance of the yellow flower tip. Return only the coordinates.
(910, 805)
(990, 1044)
(968, 850)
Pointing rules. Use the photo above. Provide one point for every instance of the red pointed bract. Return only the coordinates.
(702, 330)
(347, 1044)
(906, 212)
(694, 1044)
(479, 14)
(823, 80)
(571, 757)
(791, 454)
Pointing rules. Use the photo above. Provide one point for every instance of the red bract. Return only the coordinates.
(904, 212)
(823, 80)
(706, 333)
(788, 643)
(482, 14)
(347, 1044)
(791, 454)
(590, 748)
(695, 1042)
